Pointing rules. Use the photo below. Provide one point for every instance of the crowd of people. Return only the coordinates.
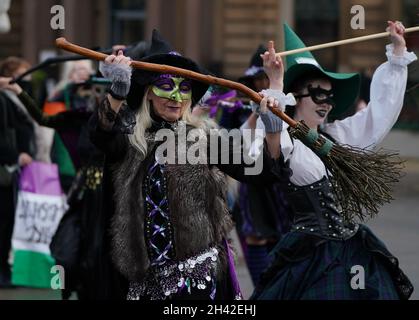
(142, 228)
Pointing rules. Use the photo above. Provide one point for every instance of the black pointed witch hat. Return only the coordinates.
(161, 52)
(255, 68)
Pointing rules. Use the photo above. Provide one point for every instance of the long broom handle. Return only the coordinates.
(64, 44)
(342, 42)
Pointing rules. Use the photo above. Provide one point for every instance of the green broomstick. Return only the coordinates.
(363, 179)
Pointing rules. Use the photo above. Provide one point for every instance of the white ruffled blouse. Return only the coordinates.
(366, 129)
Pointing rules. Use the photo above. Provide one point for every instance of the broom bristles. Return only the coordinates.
(363, 179)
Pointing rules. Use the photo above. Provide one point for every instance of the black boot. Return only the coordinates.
(6, 278)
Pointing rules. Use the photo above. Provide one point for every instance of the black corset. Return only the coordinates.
(317, 212)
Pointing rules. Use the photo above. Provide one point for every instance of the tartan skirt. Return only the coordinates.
(306, 267)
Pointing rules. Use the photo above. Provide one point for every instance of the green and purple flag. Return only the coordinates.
(40, 207)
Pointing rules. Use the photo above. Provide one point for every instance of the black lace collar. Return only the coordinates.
(159, 123)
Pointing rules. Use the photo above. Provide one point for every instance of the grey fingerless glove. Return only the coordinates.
(272, 122)
(255, 107)
(120, 75)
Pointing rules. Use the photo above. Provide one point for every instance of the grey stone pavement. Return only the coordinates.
(397, 226)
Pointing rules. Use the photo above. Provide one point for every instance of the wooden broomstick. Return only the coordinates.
(363, 179)
(342, 42)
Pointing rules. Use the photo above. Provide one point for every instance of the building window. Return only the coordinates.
(317, 22)
(128, 21)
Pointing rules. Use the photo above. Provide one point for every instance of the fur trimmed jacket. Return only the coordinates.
(196, 195)
(197, 206)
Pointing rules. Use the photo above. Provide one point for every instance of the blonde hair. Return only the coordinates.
(144, 122)
(67, 69)
(71, 66)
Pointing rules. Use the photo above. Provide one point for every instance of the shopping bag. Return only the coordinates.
(40, 207)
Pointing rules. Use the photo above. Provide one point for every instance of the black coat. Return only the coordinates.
(78, 245)
(128, 257)
(14, 125)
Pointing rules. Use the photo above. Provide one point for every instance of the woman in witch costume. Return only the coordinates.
(261, 213)
(314, 260)
(169, 222)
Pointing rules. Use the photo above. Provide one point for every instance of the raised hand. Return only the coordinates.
(118, 70)
(273, 67)
(397, 30)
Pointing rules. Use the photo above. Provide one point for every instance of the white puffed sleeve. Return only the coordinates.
(368, 127)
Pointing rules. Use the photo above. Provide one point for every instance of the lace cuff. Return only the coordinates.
(283, 99)
(404, 60)
(121, 122)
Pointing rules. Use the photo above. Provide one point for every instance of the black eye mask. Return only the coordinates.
(319, 95)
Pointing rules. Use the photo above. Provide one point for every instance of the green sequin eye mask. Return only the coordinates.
(173, 88)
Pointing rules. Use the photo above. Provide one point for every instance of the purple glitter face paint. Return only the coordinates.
(167, 84)
(173, 88)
